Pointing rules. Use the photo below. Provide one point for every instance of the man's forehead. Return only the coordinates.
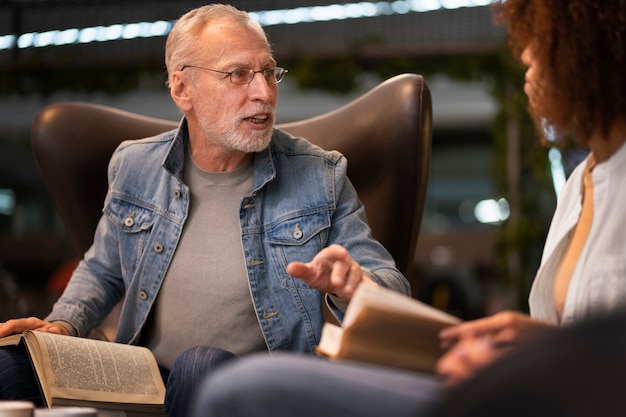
(235, 48)
(222, 27)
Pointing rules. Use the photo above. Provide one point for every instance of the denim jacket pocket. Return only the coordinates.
(134, 224)
(129, 217)
(298, 239)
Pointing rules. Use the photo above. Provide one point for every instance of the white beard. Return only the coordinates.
(229, 139)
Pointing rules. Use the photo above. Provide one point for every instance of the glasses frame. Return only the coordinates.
(278, 72)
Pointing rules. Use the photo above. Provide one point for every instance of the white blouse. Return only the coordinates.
(598, 284)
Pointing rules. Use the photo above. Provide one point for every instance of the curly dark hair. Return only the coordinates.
(581, 45)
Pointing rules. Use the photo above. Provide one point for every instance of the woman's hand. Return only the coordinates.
(475, 344)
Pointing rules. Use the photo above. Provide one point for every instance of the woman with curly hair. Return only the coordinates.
(575, 54)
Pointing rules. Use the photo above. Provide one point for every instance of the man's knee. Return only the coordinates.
(188, 370)
(234, 389)
(200, 359)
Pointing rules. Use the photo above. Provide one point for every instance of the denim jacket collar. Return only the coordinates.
(264, 167)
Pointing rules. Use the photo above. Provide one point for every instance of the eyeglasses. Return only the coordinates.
(242, 76)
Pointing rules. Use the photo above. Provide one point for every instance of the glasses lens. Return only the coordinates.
(275, 75)
(279, 74)
(241, 76)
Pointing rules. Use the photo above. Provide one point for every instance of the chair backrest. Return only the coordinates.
(385, 134)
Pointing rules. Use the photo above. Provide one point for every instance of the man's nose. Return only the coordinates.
(260, 89)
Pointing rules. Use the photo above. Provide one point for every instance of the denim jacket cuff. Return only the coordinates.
(68, 326)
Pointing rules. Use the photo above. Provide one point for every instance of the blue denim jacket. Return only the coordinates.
(301, 202)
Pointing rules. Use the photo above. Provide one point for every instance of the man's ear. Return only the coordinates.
(180, 86)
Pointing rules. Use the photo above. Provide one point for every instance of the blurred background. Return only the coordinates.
(491, 190)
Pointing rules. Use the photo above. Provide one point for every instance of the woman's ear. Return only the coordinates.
(180, 86)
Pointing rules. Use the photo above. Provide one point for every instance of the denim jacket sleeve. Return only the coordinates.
(92, 292)
(350, 229)
(96, 284)
(325, 205)
(144, 211)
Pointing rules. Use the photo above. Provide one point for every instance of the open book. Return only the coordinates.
(74, 371)
(385, 327)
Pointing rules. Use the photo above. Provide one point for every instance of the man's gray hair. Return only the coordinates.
(181, 45)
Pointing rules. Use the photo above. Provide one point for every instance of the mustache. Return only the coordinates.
(260, 109)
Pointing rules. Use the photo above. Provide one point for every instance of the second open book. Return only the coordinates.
(385, 327)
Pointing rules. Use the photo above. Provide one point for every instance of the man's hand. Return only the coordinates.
(15, 326)
(474, 344)
(332, 270)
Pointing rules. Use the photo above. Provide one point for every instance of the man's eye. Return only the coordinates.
(240, 73)
(270, 74)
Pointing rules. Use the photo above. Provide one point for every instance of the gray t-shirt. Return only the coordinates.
(205, 297)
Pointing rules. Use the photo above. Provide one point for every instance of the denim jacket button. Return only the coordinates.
(158, 248)
(297, 233)
(143, 295)
(130, 220)
(177, 193)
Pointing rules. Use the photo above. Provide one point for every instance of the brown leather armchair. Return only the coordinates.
(385, 134)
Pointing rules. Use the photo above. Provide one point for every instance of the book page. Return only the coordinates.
(386, 299)
(388, 328)
(391, 339)
(330, 341)
(12, 340)
(395, 340)
(86, 369)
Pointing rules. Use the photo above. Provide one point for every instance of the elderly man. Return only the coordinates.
(226, 234)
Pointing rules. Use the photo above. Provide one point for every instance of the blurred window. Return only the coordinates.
(461, 190)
